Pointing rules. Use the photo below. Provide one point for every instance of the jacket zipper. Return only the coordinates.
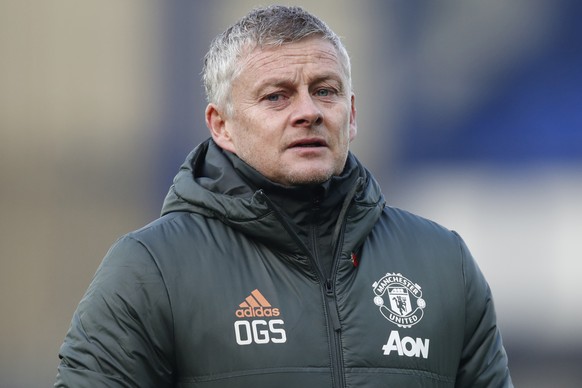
(335, 340)
(332, 314)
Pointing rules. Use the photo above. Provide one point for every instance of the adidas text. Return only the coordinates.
(250, 312)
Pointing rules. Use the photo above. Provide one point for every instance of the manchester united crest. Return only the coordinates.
(400, 301)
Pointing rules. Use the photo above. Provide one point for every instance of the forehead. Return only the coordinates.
(313, 54)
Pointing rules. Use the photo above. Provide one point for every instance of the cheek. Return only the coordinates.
(252, 147)
(344, 131)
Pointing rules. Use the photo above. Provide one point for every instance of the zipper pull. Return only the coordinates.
(332, 305)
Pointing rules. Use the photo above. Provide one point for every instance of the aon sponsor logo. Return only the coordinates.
(260, 331)
(406, 346)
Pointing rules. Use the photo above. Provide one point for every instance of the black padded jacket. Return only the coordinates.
(241, 284)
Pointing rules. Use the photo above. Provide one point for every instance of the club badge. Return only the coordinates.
(400, 301)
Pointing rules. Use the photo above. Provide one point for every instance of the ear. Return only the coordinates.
(353, 125)
(216, 122)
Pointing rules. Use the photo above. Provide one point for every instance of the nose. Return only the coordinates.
(307, 113)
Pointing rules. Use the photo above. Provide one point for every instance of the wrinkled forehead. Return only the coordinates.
(312, 50)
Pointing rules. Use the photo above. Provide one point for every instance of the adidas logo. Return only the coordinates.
(256, 305)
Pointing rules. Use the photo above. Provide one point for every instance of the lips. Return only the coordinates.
(308, 143)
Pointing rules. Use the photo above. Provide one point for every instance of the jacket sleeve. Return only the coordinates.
(483, 359)
(121, 333)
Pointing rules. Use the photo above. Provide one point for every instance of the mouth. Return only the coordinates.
(308, 143)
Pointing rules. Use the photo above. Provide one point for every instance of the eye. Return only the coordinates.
(276, 99)
(273, 97)
(323, 92)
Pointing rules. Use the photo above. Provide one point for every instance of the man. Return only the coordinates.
(275, 261)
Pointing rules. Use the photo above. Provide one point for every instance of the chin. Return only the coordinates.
(308, 178)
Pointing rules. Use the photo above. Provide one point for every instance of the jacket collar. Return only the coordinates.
(219, 185)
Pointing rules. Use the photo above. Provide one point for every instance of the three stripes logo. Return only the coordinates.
(259, 322)
(256, 305)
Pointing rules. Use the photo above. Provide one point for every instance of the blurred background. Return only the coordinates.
(469, 114)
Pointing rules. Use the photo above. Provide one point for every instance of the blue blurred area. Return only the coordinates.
(530, 114)
(186, 33)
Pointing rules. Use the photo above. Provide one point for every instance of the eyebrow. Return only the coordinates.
(288, 81)
(331, 77)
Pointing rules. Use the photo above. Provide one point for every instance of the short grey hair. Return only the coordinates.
(270, 26)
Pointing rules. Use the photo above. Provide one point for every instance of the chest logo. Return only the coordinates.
(400, 301)
(259, 323)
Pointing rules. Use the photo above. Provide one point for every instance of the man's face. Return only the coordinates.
(293, 113)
